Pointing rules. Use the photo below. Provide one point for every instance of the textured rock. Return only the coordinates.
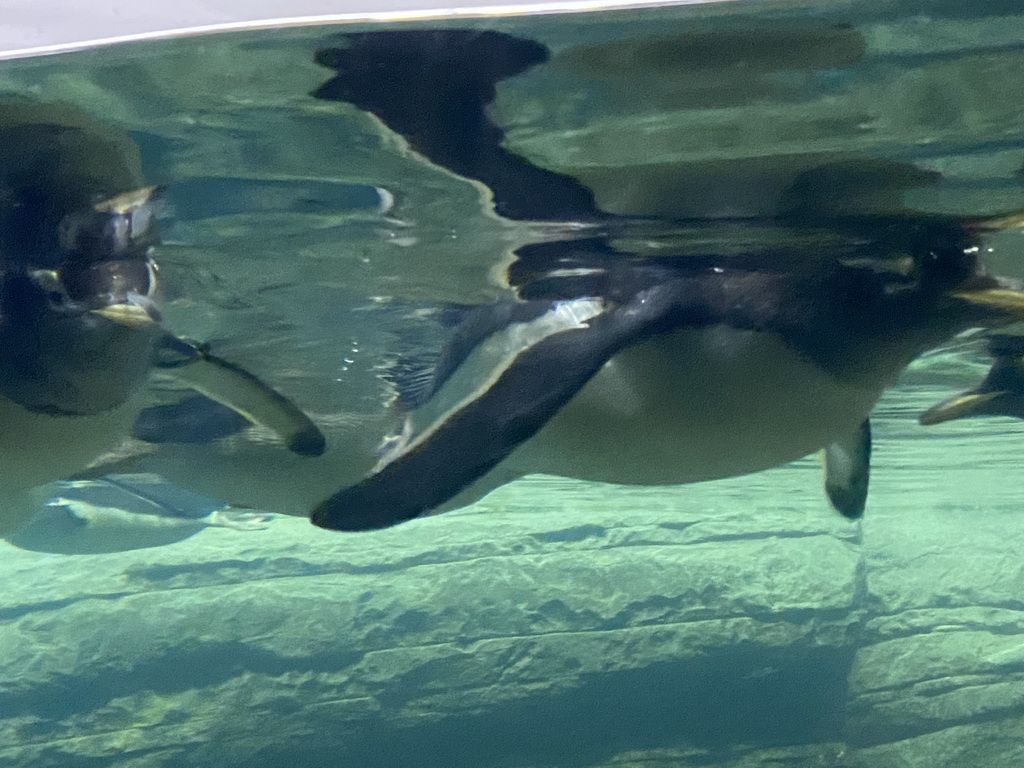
(831, 755)
(996, 743)
(555, 623)
(469, 640)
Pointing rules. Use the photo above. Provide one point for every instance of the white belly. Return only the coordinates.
(37, 449)
(697, 405)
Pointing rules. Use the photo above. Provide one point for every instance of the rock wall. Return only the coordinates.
(555, 625)
(510, 638)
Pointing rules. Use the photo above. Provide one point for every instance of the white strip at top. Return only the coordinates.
(45, 27)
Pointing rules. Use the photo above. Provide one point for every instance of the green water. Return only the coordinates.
(554, 624)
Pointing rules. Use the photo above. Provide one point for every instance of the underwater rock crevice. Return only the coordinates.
(710, 702)
(872, 723)
(756, 536)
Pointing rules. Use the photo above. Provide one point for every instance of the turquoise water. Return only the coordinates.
(555, 623)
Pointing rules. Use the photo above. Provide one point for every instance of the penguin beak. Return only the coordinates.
(995, 299)
(129, 315)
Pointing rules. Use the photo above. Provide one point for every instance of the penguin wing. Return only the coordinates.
(241, 391)
(478, 434)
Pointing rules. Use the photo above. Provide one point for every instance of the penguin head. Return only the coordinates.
(78, 339)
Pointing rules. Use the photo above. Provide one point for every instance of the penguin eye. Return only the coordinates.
(51, 285)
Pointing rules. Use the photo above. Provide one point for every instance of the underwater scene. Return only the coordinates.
(634, 388)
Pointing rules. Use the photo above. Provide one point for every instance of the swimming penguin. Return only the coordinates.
(76, 295)
(696, 374)
(80, 331)
(664, 364)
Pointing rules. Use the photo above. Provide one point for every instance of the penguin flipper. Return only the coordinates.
(521, 398)
(1001, 392)
(241, 391)
(964, 405)
(847, 466)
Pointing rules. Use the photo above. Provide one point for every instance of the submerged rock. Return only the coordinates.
(508, 639)
(941, 673)
(620, 629)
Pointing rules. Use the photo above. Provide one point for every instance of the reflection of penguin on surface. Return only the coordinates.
(79, 328)
(117, 513)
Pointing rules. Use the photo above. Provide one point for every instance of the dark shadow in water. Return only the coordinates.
(182, 667)
(750, 695)
(433, 87)
(745, 695)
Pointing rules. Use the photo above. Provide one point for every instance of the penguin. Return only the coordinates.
(675, 371)
(80, 328)
(78, 320)
(691, 373)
